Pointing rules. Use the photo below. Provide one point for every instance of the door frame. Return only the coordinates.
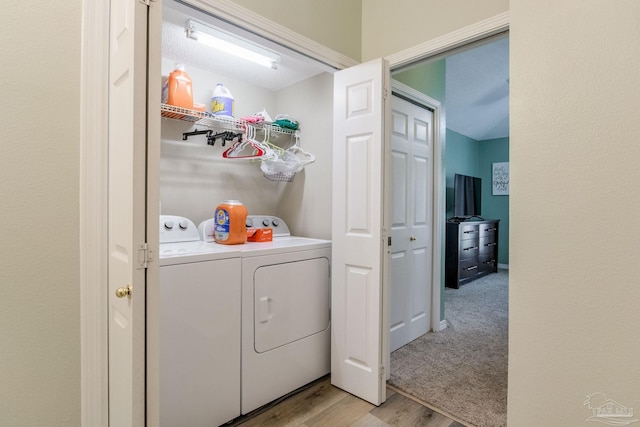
(94, 125)
(93, 165)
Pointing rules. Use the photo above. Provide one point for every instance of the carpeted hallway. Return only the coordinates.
(462, 370)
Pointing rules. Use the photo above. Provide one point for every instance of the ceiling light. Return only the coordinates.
(232, 44)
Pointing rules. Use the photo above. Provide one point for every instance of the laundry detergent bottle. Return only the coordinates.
(230, 223)
(179, 91)
(222, 101)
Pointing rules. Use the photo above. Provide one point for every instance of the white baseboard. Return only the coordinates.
(505, 266)
(443, 325)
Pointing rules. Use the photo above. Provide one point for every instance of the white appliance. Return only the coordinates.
(285, 311)
(199, 328)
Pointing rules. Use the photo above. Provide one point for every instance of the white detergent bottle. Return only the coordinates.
(222, 101)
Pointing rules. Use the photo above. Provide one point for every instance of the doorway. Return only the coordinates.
(473, 84)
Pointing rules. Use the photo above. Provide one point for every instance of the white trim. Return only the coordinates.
(503, 266)
(478, 31)
(443, 325)
(256, 23)
(438, 184)
(93, 213)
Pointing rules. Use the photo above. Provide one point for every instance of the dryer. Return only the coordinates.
(286, 313)
(199, 328)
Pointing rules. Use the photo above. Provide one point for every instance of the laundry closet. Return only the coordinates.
(195, 177)
(240, 325)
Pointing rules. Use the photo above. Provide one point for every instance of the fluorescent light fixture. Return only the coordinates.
(232, 44)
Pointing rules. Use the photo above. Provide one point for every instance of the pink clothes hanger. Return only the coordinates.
(248, 148)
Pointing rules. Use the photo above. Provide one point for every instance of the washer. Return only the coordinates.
(199, 327)
(285, 312)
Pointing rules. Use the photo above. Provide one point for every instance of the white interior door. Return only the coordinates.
(126, 182)
(411, 221)
(359, 333)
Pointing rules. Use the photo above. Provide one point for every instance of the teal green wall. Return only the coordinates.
(461, 157)
(426, 78)
(495, 207)
(470, 157)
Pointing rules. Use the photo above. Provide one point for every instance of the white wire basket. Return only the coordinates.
(280, 176)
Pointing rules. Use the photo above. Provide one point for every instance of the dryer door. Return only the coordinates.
(291, 302)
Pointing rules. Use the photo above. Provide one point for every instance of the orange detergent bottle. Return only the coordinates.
(179, 88)
(230, 223)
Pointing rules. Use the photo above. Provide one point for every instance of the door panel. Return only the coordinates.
(126, 192)
(411, 139)
(358, 231)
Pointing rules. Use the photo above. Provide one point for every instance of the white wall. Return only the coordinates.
(39, 255)
(195, 178)
(391, 26)
(306, 203)
(333, 23)
(575, 98)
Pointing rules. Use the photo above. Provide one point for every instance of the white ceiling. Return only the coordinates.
(477, 91)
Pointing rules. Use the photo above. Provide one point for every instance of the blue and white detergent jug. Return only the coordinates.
(222, 101)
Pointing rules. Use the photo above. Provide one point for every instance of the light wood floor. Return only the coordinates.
(323, 405)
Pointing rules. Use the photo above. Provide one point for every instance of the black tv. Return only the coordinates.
(467, 196)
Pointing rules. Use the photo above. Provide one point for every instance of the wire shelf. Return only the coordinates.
(209, 120)
(182, 114)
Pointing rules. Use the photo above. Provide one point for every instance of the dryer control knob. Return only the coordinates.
(183, 224)
(275, 222)
(265, 222)
(168, 225)
(249, 222)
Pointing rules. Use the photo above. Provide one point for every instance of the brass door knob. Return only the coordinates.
(412, 238)
(125, 291)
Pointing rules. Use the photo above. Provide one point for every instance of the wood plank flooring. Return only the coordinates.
(322, 405)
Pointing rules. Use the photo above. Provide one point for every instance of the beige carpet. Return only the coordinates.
(463, 369)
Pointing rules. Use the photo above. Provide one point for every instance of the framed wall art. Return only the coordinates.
(500, 179)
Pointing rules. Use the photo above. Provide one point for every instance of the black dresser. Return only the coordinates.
(471, 251)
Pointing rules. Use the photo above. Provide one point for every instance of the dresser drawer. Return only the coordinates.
(469, 248)
(469, 231)
(488, 244)
(487, 229)
(468, 268)
(487, 263)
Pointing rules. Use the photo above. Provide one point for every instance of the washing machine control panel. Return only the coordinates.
(177, 229)
(279, 227)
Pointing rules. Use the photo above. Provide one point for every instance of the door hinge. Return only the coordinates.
(145, 256)
(382, 375)
(145, 2)
(389, 241)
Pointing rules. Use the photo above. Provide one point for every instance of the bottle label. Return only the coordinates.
(222, 106)
(221, 230)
